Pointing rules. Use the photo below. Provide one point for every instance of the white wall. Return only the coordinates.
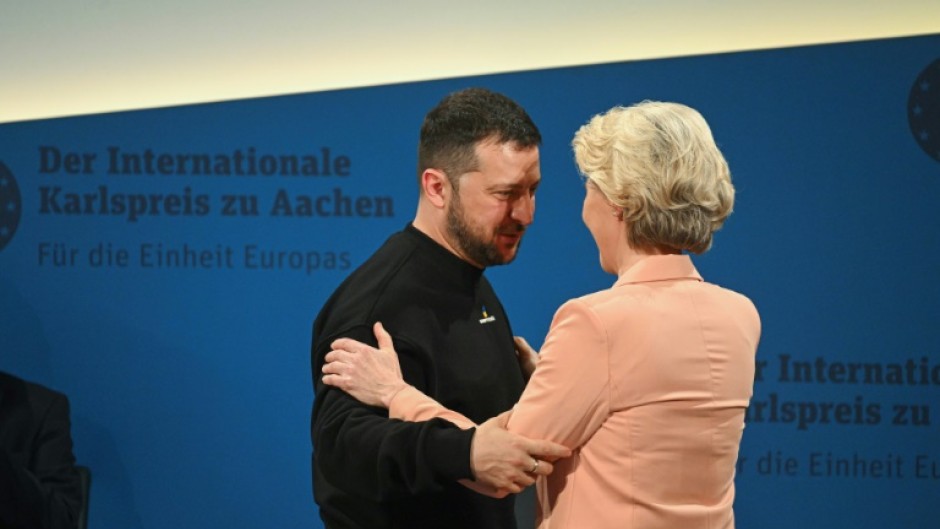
(67, 57)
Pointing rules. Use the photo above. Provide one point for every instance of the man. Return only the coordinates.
(478, 170)
(39, 485)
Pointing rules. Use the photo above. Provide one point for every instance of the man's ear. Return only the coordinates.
(436, 186)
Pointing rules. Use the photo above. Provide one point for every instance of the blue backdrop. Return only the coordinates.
(163, 268)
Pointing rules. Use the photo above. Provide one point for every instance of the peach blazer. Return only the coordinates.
(647, 382)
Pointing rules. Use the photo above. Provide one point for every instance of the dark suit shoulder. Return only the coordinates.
(19, 391)
(38, 396)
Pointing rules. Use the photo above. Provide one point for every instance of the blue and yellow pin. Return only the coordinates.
(486, 317)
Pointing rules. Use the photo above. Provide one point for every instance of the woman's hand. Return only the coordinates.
(372, 376)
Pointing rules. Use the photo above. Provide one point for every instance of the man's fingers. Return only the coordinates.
(544, 468)
(517, 483)
(507, 461)
(524, 481)
(485, 489)
(516, 488)
(547, 450)
(503, 419)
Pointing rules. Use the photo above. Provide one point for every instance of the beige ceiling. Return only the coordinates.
(69, 57)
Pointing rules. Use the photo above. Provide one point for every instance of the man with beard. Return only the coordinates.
(478, 170)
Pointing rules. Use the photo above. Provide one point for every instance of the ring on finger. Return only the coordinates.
(535, 467)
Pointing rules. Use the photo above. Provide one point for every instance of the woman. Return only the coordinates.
(646, 381)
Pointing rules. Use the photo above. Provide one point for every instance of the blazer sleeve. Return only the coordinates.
(568, 396)
(410, 404)
(358, 449)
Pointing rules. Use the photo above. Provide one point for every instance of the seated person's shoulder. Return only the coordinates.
(18, 392)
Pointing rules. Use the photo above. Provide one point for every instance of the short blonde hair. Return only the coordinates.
(658, 163)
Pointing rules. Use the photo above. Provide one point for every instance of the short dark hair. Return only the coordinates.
(453, 128)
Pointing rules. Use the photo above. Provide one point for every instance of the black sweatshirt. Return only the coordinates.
(455, 344)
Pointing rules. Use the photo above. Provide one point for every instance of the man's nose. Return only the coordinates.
(523, 211)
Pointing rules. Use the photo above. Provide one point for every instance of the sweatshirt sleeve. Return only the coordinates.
(358, 449)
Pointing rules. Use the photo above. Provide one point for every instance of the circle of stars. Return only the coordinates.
(923, 110)
(10, 205)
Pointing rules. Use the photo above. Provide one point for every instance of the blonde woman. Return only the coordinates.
(648, 381)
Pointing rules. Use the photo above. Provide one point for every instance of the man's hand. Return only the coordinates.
(527, 356)
(503, 462)
(372, 376)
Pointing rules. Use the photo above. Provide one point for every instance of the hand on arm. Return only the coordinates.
(502, 462)
(360, 452)
(527, 356)
(373, 376)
